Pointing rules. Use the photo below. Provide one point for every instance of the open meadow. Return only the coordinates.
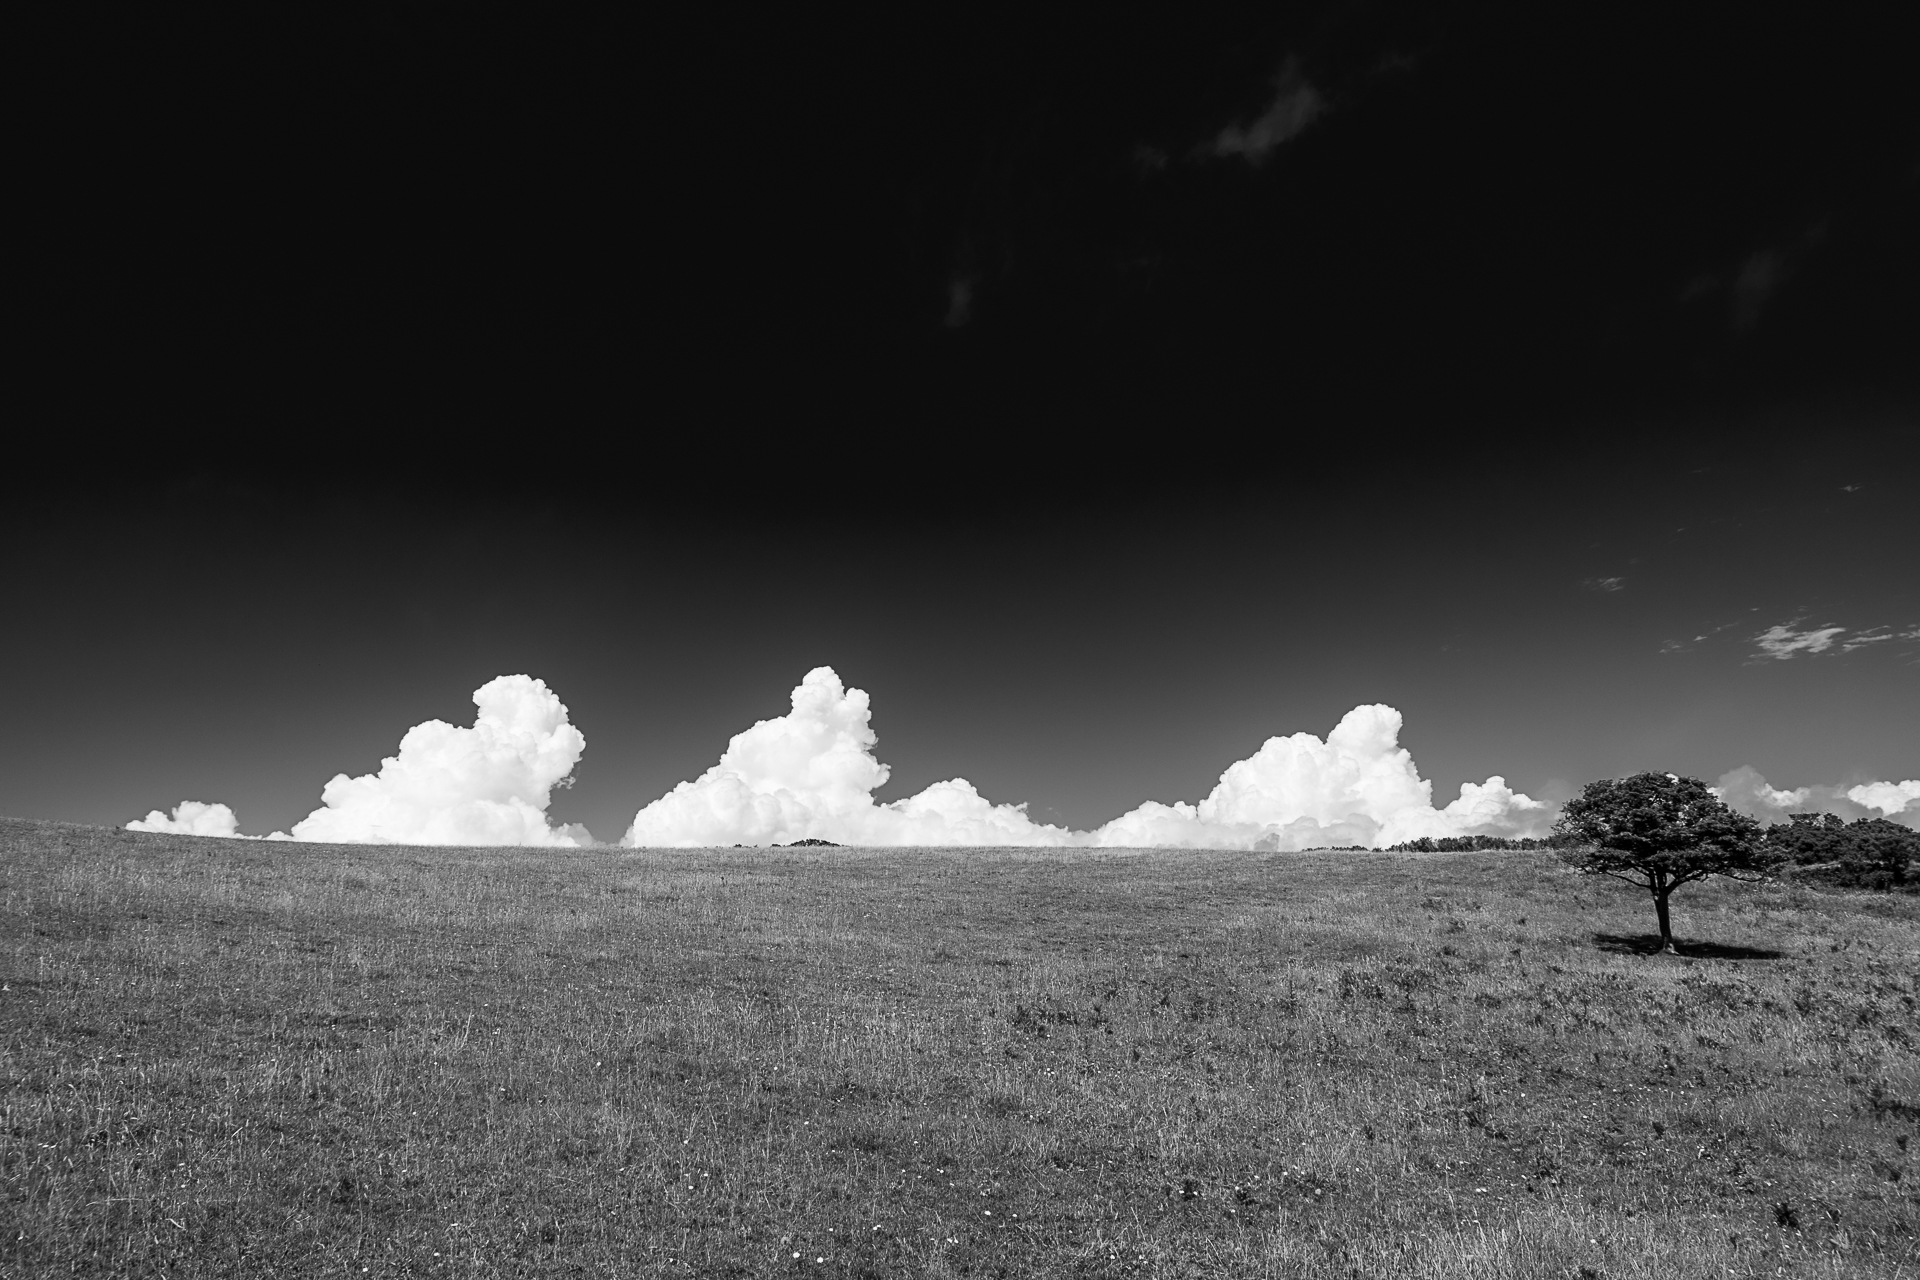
(239, 1058)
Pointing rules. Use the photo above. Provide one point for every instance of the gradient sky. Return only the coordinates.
(1101, 401)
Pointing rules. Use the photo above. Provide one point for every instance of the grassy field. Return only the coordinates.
(231, 1058)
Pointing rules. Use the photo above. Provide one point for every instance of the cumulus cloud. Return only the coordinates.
(1888, 797)
(1359, 786)
(1294, 106)
(190, 818)
(1782, 641)
(1746, 791)
(811, 774)
(485, 785)
(489, 784)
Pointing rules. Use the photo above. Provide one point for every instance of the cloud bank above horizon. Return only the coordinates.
(485, 785)
(812, 774)
(190, 818)
(1746, 791)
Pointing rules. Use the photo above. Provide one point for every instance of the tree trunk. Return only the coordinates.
(1666, 924)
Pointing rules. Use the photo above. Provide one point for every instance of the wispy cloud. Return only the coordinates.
(1759, 277)
(1794, 638)
(1681, 646)
(1604, 584)
(1782, 641)
(1295, 105)
(1877, 635)
(1751, 287)
(1864, 638)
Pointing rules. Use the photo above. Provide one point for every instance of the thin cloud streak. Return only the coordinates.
(1787, 640)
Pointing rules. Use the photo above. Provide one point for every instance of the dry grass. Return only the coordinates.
(227, 1058)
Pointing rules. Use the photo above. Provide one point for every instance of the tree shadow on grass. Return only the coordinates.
(1691, 949)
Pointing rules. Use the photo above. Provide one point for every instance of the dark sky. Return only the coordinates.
(1102, 398)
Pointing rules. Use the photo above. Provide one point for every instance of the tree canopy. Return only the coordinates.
(1660, 831)
(1808, 838)
(1877, 852)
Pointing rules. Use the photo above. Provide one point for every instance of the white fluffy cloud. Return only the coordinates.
(1360, 786)
(190, 818)
(811, 774)
(485, 785)
(1746, 791)
(490, 784)
(1888, 797)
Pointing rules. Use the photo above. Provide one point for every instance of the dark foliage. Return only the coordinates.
(1808, 838)
(1877, 852)
(1869, 853)
(1660, 831)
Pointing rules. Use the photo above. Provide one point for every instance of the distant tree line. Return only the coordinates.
(1468, 844)
(1867, 853)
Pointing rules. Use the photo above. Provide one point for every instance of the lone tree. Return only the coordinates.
(1660, 831)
